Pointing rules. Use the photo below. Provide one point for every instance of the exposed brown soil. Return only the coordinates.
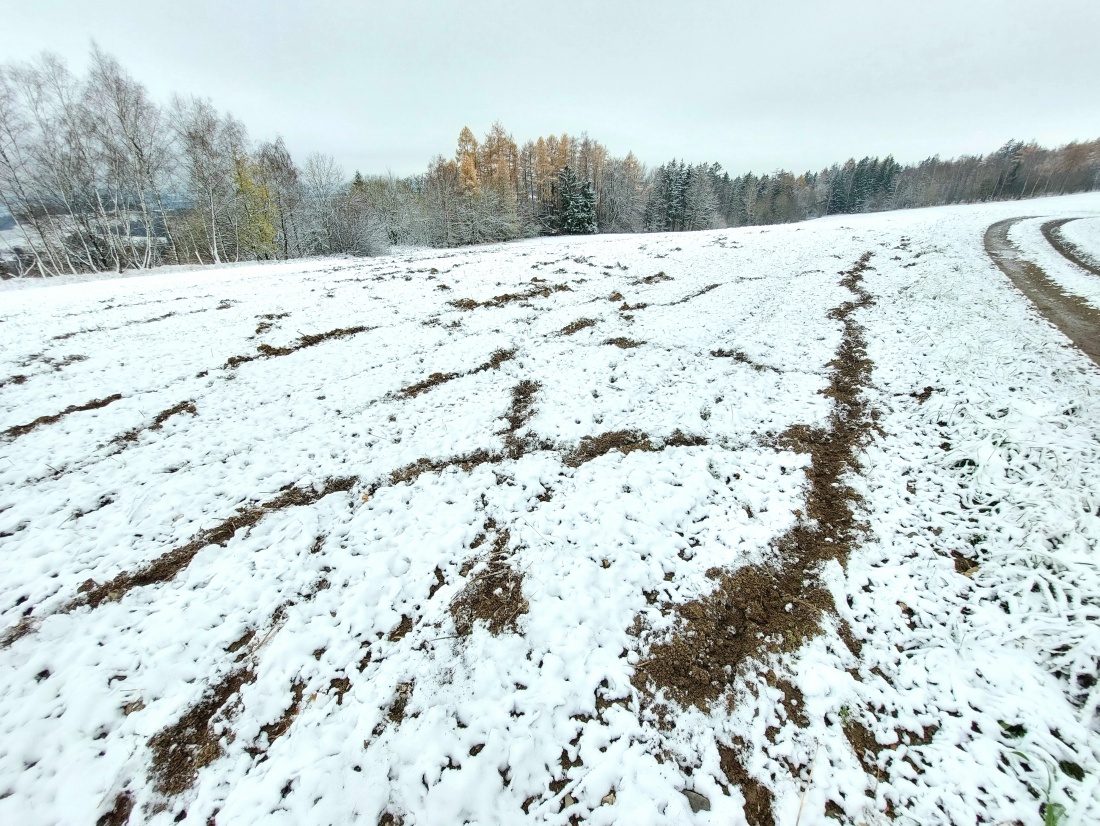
(756, 612)
(266, 351)
(167, 566)
(652, 279)
(434, 380)
(510, 298)
(19, 378)
(23, 429)
(577, 326)
(1051, 231)
(498, 358)
(758, 797)
(413, 471)
(624, 343)
(523, 397)
(494, 594)
(182, 748)
(740, 357)
(625, 442)
(159, 420)
(119, 813)
(277, 728)
(520, 411)
(592, 447)
(1072, 315)
(64, 336)
(695, 294)
(495, 360)
(267, 321)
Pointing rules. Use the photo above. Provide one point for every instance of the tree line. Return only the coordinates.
(96, 176)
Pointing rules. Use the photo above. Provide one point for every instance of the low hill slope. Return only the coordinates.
(773, 525)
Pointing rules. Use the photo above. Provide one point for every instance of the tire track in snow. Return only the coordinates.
(1054, 237)
(1079, 321)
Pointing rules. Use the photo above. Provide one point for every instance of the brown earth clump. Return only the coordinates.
(276, 729)
(498, 358)
(266, 351)
(119, 813)
(592, 447)
(494, 594)
(758, 797)
(434, 380)
(741, 358)
(577, 326)
(652, 279)
(23, 429)
(695, 294)
(182, 748)
(624, 343)
(510, 298)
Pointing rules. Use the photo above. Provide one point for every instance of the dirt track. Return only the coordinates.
(1070, 314)
(1051, 232)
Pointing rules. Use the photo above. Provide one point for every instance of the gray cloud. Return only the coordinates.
(792, 83)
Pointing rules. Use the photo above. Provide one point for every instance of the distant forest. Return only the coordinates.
(96, 176)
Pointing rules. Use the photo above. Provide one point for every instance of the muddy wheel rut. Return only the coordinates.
(1076, 318)
(1052, 232)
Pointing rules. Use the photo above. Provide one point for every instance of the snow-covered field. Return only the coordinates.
(1085, 236)
(441, 537)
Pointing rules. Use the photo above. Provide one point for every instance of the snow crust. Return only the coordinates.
(998, 464)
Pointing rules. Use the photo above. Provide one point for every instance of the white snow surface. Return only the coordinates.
(984, 696)
(1084, 234)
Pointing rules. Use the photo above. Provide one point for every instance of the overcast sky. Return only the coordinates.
(757, 84)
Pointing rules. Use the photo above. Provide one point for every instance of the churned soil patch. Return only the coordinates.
(541, 291)
(277, 728)
(577, 326)
(741, 358)
(23, 429)
(624, 343)
(756, 611)
(266, 351)
(187, 745)
(652, 279)
(494, 593)
(498, 358)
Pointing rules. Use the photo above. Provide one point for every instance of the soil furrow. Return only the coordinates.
(266, 351)
(435, 379)
(168, 566)
(23, 429)
(158, 422)
(756, 612)
(509, 298)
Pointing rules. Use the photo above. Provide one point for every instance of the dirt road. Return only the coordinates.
(1051, 232)
(1073, 316)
